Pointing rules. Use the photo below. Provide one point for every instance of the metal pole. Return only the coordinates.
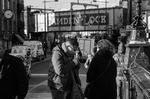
(1, 17)
(45, 28)
(129, 12)
(106, 13)
(28, 20)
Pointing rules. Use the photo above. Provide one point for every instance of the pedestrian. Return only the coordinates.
(63, 61)
(90, 57)
(119, 58)
(102, 72)
(77, 48)
(13, 76)
(122, 41)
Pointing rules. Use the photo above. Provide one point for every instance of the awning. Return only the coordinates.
(19, 37)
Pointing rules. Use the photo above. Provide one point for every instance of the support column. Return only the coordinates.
(129, 12)
(1, 17)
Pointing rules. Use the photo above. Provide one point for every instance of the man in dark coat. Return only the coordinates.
(13, 76)
(103, 66)
(63, 62)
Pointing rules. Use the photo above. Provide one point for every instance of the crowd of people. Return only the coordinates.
(101, 62)
(65, 60)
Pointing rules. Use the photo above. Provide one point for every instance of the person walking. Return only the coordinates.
(13, 76)
(63, 62)
(102, 72)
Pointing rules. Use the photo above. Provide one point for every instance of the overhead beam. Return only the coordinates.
(84, 4)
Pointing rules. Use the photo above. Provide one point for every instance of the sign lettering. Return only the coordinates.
(82, 20)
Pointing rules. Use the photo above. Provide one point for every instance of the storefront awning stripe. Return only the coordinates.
(19, 37)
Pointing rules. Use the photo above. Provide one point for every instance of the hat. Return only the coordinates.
(73, 42)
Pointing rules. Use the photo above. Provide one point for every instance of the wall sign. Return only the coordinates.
(90, 19)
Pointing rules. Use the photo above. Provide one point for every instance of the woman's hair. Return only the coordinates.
(94, 49)
(105, 45)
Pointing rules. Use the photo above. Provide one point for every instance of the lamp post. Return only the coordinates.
(28, 20)
(82, 4)
(105, 10)
(129, 12)
(45, 31)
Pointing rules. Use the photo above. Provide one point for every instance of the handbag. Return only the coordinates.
(76, 90)
(88, 87)
(87, 90)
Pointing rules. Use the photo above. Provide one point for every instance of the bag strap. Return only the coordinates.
(102, 73)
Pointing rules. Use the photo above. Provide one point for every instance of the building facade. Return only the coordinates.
(12, 22)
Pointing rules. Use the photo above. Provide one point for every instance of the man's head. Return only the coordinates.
(2, 47)
(71, 45)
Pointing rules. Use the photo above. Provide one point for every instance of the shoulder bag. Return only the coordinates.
(88, 87)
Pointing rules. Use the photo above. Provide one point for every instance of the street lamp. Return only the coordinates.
(105, 7)
(45, 44)
(82, 4)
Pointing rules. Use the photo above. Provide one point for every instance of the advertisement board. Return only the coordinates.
(90, 19)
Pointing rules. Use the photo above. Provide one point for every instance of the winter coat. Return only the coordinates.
(14, 81)
(105, 86)
(59, 74)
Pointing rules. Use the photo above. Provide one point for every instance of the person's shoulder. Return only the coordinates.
(98, 57)
(14, 58)
(56, 51)
(56, 48)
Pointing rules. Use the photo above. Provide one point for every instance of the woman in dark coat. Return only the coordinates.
(14, 80)
(103, 65)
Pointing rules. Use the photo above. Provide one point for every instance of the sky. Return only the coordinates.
(65, 4)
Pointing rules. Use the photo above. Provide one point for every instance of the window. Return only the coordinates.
(20, 51)
(15, 51)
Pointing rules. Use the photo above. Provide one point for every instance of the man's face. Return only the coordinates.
(70, 48)
(1, 50)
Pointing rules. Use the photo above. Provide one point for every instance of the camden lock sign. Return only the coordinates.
(84, 20)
